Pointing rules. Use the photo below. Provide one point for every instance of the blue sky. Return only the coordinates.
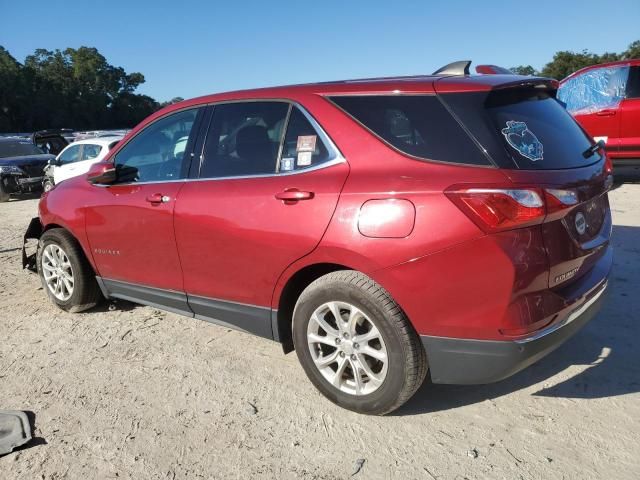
(190, 48)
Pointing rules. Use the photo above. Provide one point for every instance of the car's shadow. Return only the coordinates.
(606, 349)
(115, 305)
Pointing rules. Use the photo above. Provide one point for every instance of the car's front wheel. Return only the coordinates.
(66, 275)
(356, 345)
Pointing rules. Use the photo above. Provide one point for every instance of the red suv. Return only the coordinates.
(605, 100)
(382, 228)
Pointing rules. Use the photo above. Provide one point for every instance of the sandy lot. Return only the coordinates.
(138, 393)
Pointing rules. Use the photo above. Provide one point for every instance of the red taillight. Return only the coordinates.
(496, 209)
(560, 199)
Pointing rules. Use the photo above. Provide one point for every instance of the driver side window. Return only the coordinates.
(156, 154)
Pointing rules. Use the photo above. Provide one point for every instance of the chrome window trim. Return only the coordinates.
(336, 156)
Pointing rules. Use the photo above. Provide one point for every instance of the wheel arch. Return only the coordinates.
(294, 286)
(87, 254)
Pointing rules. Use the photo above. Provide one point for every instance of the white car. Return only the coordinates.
(78, 157)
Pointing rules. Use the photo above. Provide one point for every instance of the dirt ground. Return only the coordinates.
(138, 393)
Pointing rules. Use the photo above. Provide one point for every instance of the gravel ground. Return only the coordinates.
(139, 393)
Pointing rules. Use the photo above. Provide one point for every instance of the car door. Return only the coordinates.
(65, 162)
(129, 223)
(268, 185)
(630, 117)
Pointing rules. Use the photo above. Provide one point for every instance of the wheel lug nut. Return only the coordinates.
(338, 341)
(342, 354)
(345, 335)
(353, 357)
(355, 345)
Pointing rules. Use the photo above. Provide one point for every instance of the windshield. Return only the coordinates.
(524, 128)
(18, 148)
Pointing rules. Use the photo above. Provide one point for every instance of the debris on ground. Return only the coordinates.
(15, 430)
(358, 466)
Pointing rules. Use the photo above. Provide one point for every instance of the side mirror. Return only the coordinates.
(102, 173)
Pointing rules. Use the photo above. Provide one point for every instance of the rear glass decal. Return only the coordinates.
(523, 140)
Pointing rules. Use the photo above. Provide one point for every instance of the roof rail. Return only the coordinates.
(455, 68)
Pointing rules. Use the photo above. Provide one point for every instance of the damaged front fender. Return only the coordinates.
(34, 231)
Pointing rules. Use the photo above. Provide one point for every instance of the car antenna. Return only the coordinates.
(460, 67)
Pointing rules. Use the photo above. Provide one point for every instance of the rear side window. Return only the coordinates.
(633, 85)
(417, 125)
(90, 151)
(261, 138)
(523, 128)
(243, 139)
(302, 146)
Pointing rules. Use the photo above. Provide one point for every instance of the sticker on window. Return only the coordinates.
(304, 159)
(286, 164)
(306, 143)
(523, 140)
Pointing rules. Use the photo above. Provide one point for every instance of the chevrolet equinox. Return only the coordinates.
(453, 224)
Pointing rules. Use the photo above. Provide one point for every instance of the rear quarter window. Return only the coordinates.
(416, 125)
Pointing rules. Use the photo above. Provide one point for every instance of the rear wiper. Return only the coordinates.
(593, 149)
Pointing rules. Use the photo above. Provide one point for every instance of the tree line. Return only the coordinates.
(564, 63)
(80, 89)
(72, 88)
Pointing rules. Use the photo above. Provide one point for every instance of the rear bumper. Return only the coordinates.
(464, 361)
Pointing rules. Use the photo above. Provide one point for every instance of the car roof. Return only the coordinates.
(415, 84)
(631, 62)
(99, 140)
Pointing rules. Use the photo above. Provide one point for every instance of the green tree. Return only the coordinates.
(633, 51)
(524, 70)
(11, 91)
(75, 88)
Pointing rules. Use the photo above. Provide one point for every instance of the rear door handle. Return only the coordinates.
(294, 195)
(606, 113)
(158, 198)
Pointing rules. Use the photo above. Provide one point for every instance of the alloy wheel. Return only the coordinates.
(347, 348)
(57, 272)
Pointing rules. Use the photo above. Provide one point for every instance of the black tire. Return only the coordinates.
(407, 361)
(4, 195)
(86, 293)
(47, 185)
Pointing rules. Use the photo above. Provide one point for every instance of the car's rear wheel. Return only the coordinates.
(356, 345)
(66, 275)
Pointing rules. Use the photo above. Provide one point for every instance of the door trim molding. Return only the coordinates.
(247, 318)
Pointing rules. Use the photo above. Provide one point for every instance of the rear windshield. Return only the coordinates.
(417, 125)
(523, 128)
(18, 148)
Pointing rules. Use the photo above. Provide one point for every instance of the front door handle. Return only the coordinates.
(291, 195)
(157, 198)
(606, 113)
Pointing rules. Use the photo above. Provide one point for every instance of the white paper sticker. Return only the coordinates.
(304, 159)
(306, 143)
(286, 164)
